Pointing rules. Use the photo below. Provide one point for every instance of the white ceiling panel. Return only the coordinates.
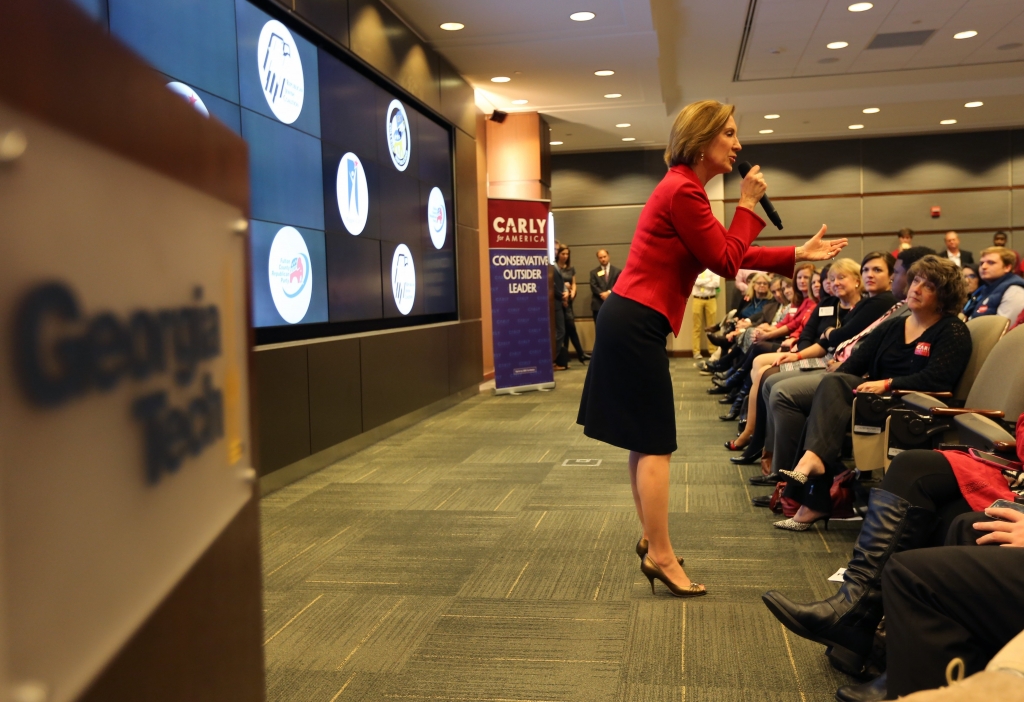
(667, 53)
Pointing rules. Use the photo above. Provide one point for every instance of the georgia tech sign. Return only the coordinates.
(526, 230)
(61, 355)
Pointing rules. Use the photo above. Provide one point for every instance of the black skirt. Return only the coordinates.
(627, 397)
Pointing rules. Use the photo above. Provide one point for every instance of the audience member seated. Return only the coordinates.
(971, 280)
(739, 340)
(783, 335)
(1001, 291)
(906, 237)
(863, 294)
(927, 350)
(939, 603)
(786, 398)
(759, 305)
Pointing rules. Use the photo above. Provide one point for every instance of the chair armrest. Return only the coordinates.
(902, 393)
(955, 411)
(981, 432)
(922, 403)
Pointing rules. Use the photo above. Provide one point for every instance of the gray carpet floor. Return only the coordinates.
(467, 558)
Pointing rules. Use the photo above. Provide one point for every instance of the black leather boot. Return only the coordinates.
(846, 621)
(872, 691)
(734, 411)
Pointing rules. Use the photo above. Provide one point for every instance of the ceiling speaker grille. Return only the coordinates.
(892, 40)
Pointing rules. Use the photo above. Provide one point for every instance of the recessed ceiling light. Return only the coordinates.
(965, 35)
(766, 131)
(582, 16)
(613, 95)
(871, 110)
(860, 7)
(452, 26)
(771, 116)
(556, 143)
(604, 73)
(520, 102)
(837, 45)
(947, 121)
(623, 125)
(500, 79)
(856, 126)
(976, 103)
(629, 138)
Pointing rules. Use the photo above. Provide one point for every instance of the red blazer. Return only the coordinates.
(677, 237)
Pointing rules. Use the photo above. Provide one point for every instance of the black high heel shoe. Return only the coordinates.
(731, 445)
(734, 411)
(652, 571)
(642, 546)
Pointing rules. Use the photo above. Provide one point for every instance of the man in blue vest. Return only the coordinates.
(1001, 291)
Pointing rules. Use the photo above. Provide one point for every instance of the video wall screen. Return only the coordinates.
(352, 189)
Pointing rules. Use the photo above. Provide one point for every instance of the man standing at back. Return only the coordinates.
(954, 253)
(602, 279)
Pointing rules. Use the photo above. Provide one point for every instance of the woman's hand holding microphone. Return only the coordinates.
(753, 188)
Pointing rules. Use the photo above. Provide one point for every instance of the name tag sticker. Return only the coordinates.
(600, 272)
(923, 349)
(791, 310)
(826, 311)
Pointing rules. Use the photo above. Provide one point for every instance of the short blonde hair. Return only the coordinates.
(847, 266)
(694, 128)
(1007, 256)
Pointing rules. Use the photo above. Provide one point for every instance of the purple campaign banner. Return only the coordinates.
(520, 308)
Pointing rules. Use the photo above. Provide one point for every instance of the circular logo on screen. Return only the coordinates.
(190, 95)
(403, 279)
(353, 195)
(291, 276)
(437, 218)
(280, 71)
(399, 142)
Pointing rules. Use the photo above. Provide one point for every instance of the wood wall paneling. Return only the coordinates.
(465, 356)
(335, 395)
(936, 161)
(605, 178)
(281, 406)
(545, 151)
(467, 205)
(805, 217)
(458, 101)
(959, 211)
(598, 226)
(484, 260)
(204, 642)
(1018, 215)
(402, 372)
(1017, 158)
(513, 149)
(329, 16)
(381, 39)
(468, 253)
(809, 168)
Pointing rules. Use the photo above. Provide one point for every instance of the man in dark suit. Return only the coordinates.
(954, 253)
(602, 279)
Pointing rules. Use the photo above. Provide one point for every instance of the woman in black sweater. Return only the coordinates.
(926, 350)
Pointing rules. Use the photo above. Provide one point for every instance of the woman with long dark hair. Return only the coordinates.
(627, 397)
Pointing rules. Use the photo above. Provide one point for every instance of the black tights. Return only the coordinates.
(925, 479)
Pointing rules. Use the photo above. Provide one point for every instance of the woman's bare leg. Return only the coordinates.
(634, 460)
(755, 374)
(652, 484)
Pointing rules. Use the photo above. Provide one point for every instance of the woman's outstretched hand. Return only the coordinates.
(817, 249)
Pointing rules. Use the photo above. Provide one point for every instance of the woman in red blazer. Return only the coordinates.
(627, 398)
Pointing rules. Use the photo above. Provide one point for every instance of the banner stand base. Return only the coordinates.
(524, 388)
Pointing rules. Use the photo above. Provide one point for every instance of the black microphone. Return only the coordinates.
(766, 204)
